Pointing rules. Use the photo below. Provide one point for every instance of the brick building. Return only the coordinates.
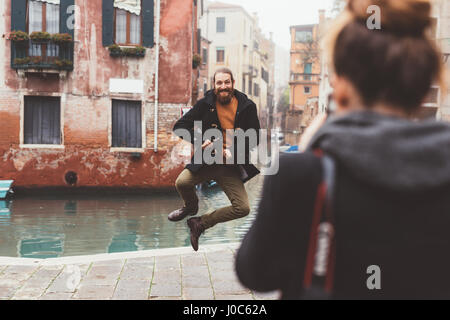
(95, 109)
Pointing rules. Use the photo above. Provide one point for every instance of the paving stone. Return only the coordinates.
(167, 263)
(103, 275)
(235, 297)
(165, 298)
(94, 292)
(196, 282)
(69, 279)
(137, 271)
(150, 261)
(56, 296)
(199, 271)
(29, 293)
(165, 290)
(6, 292)
(198, 293)
(167, 276)
(132, 290)
(19, 273)
(192, 261)
(229, 288)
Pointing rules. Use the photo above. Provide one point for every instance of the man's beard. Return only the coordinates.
(224, 99)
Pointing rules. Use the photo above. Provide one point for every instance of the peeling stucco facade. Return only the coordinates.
(86, 103)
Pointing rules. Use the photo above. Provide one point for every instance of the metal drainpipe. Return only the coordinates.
(158, 18)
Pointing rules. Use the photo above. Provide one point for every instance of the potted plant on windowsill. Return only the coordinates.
(18, 36)
(115, 50)
(134, 52)
(61, 38)
(39, 36)
(22, 61)
(63, 64)
(196, 61)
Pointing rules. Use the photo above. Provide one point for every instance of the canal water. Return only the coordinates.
(49, 227)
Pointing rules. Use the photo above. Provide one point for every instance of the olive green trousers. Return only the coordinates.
(228, 178)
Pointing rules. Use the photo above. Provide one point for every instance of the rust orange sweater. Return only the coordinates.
(227, 114)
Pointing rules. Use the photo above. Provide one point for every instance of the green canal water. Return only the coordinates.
(48, 227)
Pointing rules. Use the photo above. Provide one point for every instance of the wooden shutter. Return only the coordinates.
(65, 16)
(18, 15)
(42, 123)
(107, 22)
(148, 23)
(126, 124)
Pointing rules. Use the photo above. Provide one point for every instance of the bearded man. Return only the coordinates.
(223, 108)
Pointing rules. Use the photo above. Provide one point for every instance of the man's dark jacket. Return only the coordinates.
(205, 111)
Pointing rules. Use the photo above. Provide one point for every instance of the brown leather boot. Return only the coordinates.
(182, 213)
(197, 228)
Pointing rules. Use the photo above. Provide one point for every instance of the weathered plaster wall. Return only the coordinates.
(86, 107)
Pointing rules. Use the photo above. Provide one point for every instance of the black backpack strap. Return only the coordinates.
(319, 269)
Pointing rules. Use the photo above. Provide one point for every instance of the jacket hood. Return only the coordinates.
(389, 152)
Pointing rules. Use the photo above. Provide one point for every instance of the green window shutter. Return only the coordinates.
(67, 17)
(148, 23)
(18, 15)
(108, 22)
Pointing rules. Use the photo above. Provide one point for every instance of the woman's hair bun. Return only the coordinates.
(403, 17)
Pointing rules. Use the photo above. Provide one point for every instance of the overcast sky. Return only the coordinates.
(277, 15)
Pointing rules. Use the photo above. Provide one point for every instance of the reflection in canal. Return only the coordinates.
(47, 227)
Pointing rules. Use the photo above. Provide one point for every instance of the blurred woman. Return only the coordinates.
(391, 201)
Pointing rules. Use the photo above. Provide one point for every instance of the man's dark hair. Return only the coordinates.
(223, 70)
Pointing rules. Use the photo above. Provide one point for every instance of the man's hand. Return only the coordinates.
(206, 144)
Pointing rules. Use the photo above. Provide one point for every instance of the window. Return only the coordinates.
(243, 83)
(205, 87)
(205, 56)
(307, 90)
(127, 28)
(303, 36)
(128, 22)
(256, 90)
(220, 55)
(308, 68)
(220, 24)
(42, 120)
(43, 16)
(126, 124)
(250, 85)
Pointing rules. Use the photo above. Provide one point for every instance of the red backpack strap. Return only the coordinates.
(319, 269)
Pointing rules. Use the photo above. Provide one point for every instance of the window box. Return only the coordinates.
(38, 55)
(61, 38)
(19, 37)
(40, 37)
(118, 51)
(196, 61)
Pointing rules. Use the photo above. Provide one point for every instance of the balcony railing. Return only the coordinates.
(305, 77)
(33, 54)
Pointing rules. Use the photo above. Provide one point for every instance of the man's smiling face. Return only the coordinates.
(223, 88)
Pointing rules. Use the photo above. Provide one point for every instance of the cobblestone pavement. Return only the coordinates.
(169, 274)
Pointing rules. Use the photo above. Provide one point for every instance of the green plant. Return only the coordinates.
(63, 63)
(61, 37)
(40, 36)
(25, 60)
(134, 52)
(18, 36)
(36, 60)
(196, 61)
(115, 50)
